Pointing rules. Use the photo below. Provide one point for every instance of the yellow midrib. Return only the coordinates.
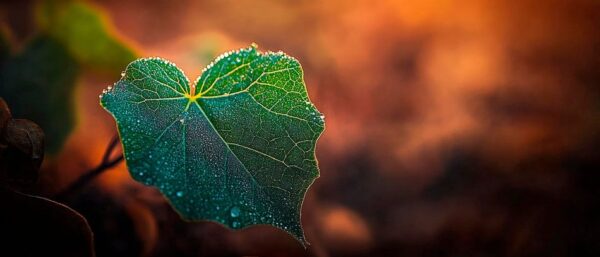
(191, 99)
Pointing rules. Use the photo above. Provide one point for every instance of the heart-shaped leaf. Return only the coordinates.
(237, 147)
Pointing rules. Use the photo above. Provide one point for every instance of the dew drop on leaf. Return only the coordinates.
(235, 212)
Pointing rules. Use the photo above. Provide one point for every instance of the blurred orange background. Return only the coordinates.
(453, 128)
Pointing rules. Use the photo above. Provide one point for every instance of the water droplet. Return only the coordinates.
(235, 224)
(123, 74)
(235, 212)
(179, 193)
(238, 59)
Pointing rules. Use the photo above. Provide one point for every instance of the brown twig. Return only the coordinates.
(90, 175)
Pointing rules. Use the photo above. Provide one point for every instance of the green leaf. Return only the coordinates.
(39, 84)
(237, 147)
(86, 33)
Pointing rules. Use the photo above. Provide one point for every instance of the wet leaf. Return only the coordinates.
(39, 84)
(237, 147)
(85, 32)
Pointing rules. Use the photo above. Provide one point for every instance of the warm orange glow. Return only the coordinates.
(459, 125)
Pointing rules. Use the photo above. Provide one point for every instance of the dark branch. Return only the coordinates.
(90, 175)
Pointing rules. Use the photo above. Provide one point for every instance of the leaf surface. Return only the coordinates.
(236, 147)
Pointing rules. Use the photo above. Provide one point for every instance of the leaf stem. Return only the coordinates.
(91, 174)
